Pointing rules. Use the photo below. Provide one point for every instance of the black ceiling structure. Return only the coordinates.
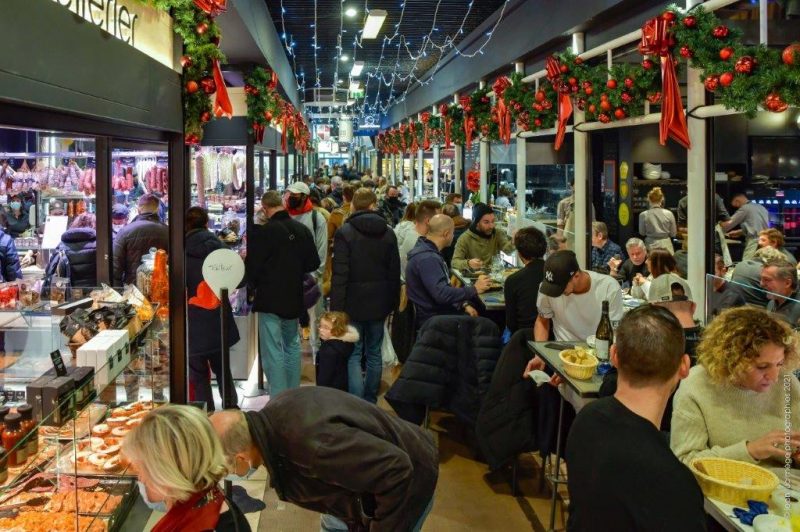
(413, 38)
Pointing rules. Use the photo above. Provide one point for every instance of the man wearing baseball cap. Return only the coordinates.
(300, 208)
(571, 300)
(672, 292)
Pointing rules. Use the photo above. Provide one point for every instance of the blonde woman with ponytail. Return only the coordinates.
(657, 224)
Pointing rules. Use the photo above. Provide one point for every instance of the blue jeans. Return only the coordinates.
(370, 337)
(280, 351)
(329, 523)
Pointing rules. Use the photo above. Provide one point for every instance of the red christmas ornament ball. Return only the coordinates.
(726, 79)
(592, 108)
(575, 88)
(626, 98)
(720, 32)
(578, 60)
(604, 118)
(539, 96)
(563, 69)
(547, 104)
(726, 53)
(605, 105)
(690, 21)
(744, 65)
(205, 117)
(628, 83)
(209, 85)
(791, 54)
(619, 113)
(268, 116)
(192, 86)
(485, 99)
(647, 64)
(537, 122)
(191, 138)
(669, 16)
(686, 52)
(538, 107)
(201, 28)
(517, 107)
(588, 91)
(774, 103)
(712, 83)
(573, 81)
(186, 61)
(603, 97)
(611, 84)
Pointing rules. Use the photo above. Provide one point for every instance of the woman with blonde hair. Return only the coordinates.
(657, 225)
(738, 399)
(179, 462)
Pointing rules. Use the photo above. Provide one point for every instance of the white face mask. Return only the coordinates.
(160, 506)
(250, 472)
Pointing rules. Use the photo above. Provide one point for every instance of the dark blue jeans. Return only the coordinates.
(370, 335)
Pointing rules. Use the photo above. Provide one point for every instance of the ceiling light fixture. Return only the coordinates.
(351, 12)
(355, 86)
(373, 24)
(345, 58)
(358, 66)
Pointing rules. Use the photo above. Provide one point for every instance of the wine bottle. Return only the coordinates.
(604, 336)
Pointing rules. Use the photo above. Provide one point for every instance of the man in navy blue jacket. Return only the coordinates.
(428, 278)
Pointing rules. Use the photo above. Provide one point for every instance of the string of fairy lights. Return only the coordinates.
(382, 77)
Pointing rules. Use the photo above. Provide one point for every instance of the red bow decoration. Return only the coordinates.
(448, 124)
(258, 132)
(502, 110)
(205, 297)
(273, 80)
(412, 129)
(222, 102)
(469, 122)
(211, 7)
(426, 142)
(564, 100)
(657, 41)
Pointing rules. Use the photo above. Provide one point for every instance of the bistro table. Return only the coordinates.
(584, 389)
(493, 299)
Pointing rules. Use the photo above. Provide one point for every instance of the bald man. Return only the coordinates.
(333, 453)
(428, 277)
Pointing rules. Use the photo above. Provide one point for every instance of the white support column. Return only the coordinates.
(696, 189)
(763, 19)
(412, 185)
(459, 156)
(484, 161)
(582, 159)
(522, 163)
(436, 161)
(392, 170)
(421, 172)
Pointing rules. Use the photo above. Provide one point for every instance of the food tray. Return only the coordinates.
(87, 419)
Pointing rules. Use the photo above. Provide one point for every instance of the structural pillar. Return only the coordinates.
(484, 162)
(412, 185)
(583, 186)
(522, 163)
(436, 171)
(421, 172)
(459, 159)
(393, 169)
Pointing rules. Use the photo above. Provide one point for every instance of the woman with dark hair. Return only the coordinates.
(17, 221)
(76, 255)
(659, 261)
(522, 288)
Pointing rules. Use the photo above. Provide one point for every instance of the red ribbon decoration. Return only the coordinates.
(448, 123)
(258, 132)
(211, 7)
(426, 142)
(469, 122)
(657, 41)
(503, 112)
(222, 102)
(273, 80)
(284, 129)
(414, 143)
(564, 100)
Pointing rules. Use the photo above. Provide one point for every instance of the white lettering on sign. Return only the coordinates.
(223, 268)
(146, 28)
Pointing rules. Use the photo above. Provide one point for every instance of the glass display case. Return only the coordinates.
(60, 466)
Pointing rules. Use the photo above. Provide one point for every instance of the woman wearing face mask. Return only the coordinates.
(179, 462)
(17, 221)
(732, 404)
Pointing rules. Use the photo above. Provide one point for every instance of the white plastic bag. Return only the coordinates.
(387, 349)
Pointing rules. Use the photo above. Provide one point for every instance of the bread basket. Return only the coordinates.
(733, 482)
(578, 371)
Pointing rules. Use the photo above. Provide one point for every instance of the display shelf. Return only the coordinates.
(674, 181)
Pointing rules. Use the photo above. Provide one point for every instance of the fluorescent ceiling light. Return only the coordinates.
(345, 58)
(351, 12)
(339, 81)
(355, 86)
(373, 24)
(358, 66)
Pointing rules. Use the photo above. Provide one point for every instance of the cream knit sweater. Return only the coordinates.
(710, 419)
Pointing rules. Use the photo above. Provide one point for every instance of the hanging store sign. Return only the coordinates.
(145, 28)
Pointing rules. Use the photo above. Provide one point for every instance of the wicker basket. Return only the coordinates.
(579, 371)
(727, 480)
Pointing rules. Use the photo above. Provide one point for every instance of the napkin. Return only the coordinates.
(539, 377)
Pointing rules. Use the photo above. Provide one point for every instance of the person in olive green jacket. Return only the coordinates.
(476, 247)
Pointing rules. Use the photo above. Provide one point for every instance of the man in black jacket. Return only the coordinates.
(366, 285)
(135, 240)
(522, 288)
(279, 253)
(391, 207)
(332, 453)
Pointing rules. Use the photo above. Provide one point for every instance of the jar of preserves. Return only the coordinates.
(12, 436)
(30, 428)
(4, 410)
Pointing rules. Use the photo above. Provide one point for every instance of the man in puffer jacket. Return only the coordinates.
(481, 242)
(366, 285)
(135, 240)
(79, 247)
(205, 343)
(10, 269)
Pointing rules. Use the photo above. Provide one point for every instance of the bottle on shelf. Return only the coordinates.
(604, 336)
(30, 428)
(3, 413)
(12, 436)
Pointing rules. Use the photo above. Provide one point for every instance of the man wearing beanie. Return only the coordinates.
(481, 241)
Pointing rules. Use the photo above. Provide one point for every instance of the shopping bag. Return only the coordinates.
(387, 349)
